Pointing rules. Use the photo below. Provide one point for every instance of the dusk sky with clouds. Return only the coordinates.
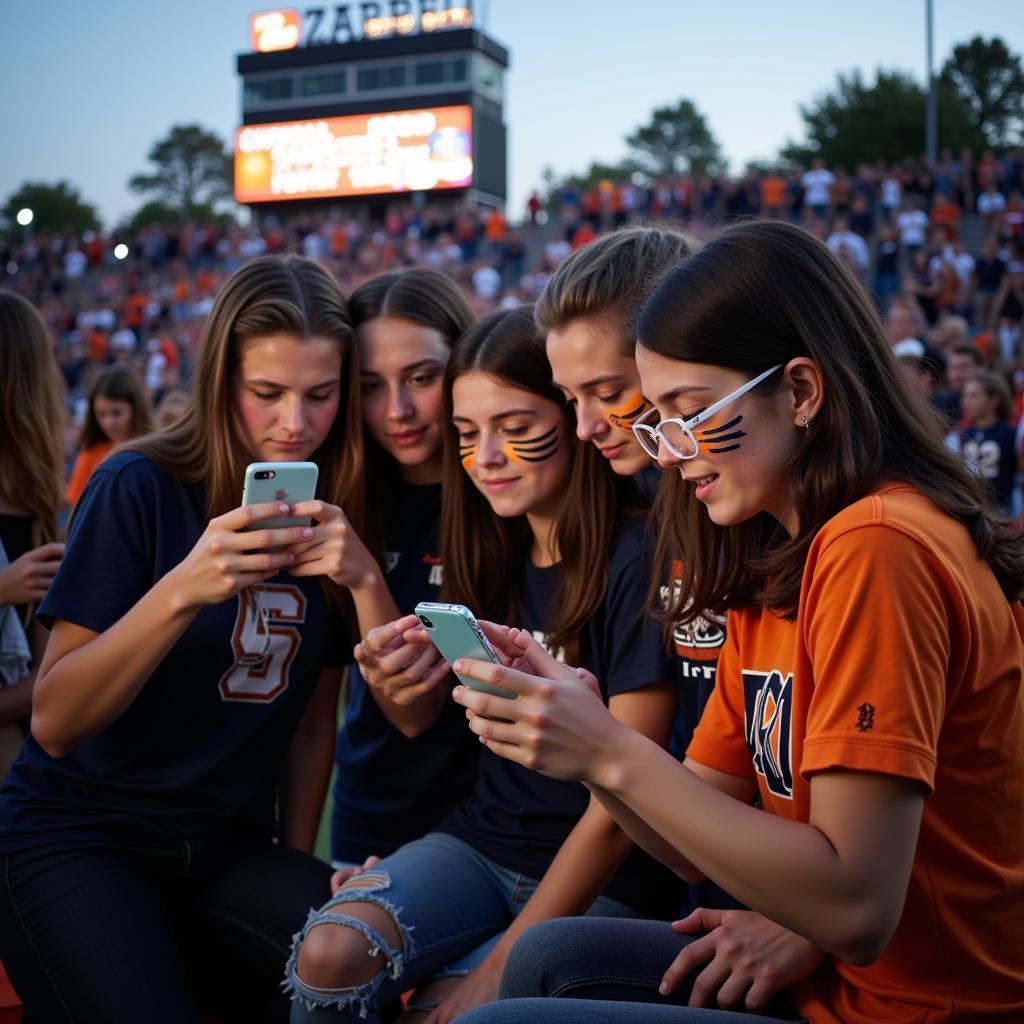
(91, 85)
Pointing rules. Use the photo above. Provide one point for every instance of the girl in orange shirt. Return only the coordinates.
(118, 411)
(870, 692)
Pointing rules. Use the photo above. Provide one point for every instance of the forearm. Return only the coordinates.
(16, 699)
(645, 837)
(86, 689)
(786, 870)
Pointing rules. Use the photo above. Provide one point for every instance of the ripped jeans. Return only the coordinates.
(451, 906)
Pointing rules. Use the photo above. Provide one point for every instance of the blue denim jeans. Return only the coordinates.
(450, 904)
(600, 971)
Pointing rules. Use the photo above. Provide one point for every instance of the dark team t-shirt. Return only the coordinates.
(200, 751)
(389, 789)
(992, 454)
(520, 818)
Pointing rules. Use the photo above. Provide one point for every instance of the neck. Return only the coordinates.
(428, 472)
(986, 421)
(543, 551)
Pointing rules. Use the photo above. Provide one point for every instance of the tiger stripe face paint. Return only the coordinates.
(719, 440)
(628, 412)
(535, 449)
(467, 453)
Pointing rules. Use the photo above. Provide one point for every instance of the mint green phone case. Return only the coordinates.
(454, 631)
(291, 482)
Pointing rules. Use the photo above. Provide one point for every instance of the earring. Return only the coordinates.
(806, 422)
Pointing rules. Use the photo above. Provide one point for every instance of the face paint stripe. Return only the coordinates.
(718, 430)
(534, 458)
(722, 451)
(725, 437)
(537, 440)
(533, 447)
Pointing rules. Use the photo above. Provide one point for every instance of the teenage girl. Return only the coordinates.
(870, 691)
(118, 410)
(395, 782)
(31, 475)
(988, 442)
(153, 830)
(534, 528)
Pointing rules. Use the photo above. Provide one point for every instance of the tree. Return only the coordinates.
(860, 122)
(54, 208)
(989, 81)
(675, 141)
(598, 172)
(193, 171)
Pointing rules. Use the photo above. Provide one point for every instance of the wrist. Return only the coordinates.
(176, 598)
(611, 769)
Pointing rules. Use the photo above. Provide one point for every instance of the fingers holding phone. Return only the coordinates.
(334, 550)
(401, 671)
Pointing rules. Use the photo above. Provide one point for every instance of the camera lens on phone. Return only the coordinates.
(426, 622)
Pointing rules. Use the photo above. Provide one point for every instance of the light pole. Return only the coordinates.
(24, 217)
(929, 121)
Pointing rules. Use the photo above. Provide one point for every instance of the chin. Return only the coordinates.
(631, 465)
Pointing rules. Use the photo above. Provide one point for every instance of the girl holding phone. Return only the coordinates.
(31, 480)
(188, 687)
(535, 527)
(394, 782)
(870, 691)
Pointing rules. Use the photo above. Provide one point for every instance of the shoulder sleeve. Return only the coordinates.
(876, 619)
(108, 561)
(634, 654)
(720, 739)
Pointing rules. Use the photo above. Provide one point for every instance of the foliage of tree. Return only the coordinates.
(861, 122)
(677, 140)
(192, 172)
(598, 172)
(56, 207)
(989, 82)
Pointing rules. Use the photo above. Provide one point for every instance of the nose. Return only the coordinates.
(292, 418)
(491, 452)
(666, 459)
(399, 406)
(590, 426)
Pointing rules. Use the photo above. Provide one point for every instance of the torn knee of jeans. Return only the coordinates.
(361, 996)
(369, 881)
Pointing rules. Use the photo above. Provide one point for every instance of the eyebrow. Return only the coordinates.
(683, 389)
(597, 381)
(261, 382)
(500, 416)
(404, 369)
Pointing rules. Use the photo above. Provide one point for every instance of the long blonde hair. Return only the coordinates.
(266, 296)
(31, 454)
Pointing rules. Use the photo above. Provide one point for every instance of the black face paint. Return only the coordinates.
(467, 454)
(629, 412)
(720, 435)
(534, 449)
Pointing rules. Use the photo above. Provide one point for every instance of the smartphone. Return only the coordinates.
(454, 631)
(291, 482)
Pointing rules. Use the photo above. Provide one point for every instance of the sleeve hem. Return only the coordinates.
(722, 758)
(50, 611)
(885, 756)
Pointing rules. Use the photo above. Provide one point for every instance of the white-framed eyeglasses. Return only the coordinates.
(677, 435)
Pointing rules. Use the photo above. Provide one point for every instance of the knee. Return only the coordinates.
(334, 956)
(532, 968)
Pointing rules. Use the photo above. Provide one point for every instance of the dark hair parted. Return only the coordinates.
(761, 293)
(422, 296)
(994, 385)
(483, 552)
(118, 384)
(611, 277)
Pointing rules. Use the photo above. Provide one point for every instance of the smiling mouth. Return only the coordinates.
(408, 436)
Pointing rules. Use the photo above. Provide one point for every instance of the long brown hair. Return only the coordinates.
(422, 296)
(31, 453)
(760, 294)
(118, 384)
(266, 296)
(483, 552)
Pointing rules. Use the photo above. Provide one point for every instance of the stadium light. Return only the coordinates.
(120, 251)
(25, 216)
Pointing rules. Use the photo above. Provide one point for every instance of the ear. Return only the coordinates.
(804, 381)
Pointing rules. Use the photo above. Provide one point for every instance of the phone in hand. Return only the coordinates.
(289, 482)
(455, 632)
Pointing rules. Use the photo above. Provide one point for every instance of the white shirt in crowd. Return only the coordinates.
(991, 202)
(855, 245)
(816, 185)
(912, 225)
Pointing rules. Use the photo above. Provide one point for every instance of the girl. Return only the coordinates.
(187, 687)
(118, 410)
(987, 444)
(870, 691)
(533, 526)
(31, 472)
(405, 324)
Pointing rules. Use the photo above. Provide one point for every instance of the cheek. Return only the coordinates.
(322, 415)
(430, 405)
(536, 450)
(628, 412)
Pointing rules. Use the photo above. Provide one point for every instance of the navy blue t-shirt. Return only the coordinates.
(520, 818)
(200, 751)
(389, 789)
(992, 454)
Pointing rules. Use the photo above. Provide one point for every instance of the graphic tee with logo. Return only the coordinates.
(905, 659)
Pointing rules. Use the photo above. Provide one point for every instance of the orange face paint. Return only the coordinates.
(533, 449)
(628, 412)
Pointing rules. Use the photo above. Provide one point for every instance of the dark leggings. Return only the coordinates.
(154, 931)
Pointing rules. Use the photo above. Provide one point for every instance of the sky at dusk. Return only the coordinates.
(91, 84)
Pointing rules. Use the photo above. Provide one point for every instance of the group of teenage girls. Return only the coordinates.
(835, 817)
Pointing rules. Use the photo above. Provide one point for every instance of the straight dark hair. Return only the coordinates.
(118, 384)
(422, 296)
(759, 294)
(484, 552)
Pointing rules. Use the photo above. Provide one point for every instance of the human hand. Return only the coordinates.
(334, 548)
(479, 987)
(402, 671)
(27, 579)
(228, 558)
(343, 875)
(557, 724)
(749, 958)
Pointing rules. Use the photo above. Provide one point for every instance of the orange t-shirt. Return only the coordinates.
(906, 659)
(85, 463)
(773, 190)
